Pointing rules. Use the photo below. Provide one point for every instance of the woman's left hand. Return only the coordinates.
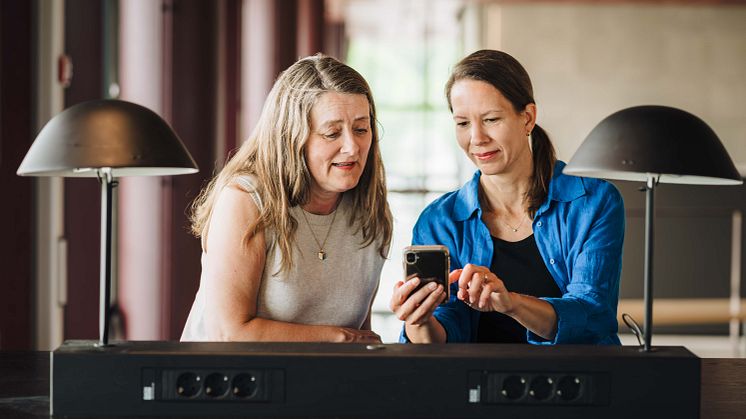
(482, 290)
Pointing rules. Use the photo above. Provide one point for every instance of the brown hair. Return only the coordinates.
(274, 156)
(509, 77)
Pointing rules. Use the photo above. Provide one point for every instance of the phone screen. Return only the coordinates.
(429, 263)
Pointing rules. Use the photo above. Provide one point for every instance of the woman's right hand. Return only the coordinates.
(416, 309)
(349, 335)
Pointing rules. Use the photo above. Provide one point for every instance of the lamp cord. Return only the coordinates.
(634, 327)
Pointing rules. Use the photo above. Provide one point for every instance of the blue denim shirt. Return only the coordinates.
(579, 231)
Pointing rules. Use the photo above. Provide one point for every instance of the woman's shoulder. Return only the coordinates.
(442, 206)
(443, 216)
(245, 182)
(459, 204)
(234, 200)
(568, 188)
(602, 191)
(596, 199)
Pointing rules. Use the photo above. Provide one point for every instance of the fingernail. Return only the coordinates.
(431, 286)
(414, 280)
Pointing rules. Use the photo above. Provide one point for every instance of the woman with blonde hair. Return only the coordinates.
(295, 228)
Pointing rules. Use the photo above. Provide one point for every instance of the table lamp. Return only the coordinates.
(106, 139)
(653, 144)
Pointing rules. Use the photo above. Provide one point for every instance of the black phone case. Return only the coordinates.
(430, 265)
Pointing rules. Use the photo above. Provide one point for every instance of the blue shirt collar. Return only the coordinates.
(562, 188)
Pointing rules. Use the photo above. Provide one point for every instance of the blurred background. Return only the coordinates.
(206, 67)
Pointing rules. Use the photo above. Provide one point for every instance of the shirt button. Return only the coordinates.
(551, 261)
(538, 224)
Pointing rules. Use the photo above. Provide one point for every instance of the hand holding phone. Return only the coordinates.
(424, 266)
(429, 264)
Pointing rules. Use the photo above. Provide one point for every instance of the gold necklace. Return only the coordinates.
(322, 253)
(515, 229)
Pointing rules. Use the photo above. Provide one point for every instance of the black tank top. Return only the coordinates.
(522, 269)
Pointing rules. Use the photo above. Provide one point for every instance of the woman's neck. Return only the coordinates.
(506, 193)
(322, 203)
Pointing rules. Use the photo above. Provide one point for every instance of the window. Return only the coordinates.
(406, 50)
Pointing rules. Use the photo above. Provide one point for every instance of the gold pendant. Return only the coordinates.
(322, 255)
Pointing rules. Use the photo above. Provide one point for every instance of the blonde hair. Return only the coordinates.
(274, 156)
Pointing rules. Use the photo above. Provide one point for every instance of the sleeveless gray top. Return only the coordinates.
(337, 291)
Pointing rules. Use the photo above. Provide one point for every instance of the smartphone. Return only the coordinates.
(429, 263)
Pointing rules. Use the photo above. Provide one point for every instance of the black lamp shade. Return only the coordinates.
(128, 138)
(658, 140)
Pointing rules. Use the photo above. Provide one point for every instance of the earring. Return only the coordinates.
(530, 142)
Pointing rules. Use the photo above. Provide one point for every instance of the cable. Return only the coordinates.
(633, 326)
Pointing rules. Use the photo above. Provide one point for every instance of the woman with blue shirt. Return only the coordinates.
(536, 254)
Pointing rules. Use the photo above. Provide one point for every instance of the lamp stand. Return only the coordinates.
(106, 179)
(649, 221)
